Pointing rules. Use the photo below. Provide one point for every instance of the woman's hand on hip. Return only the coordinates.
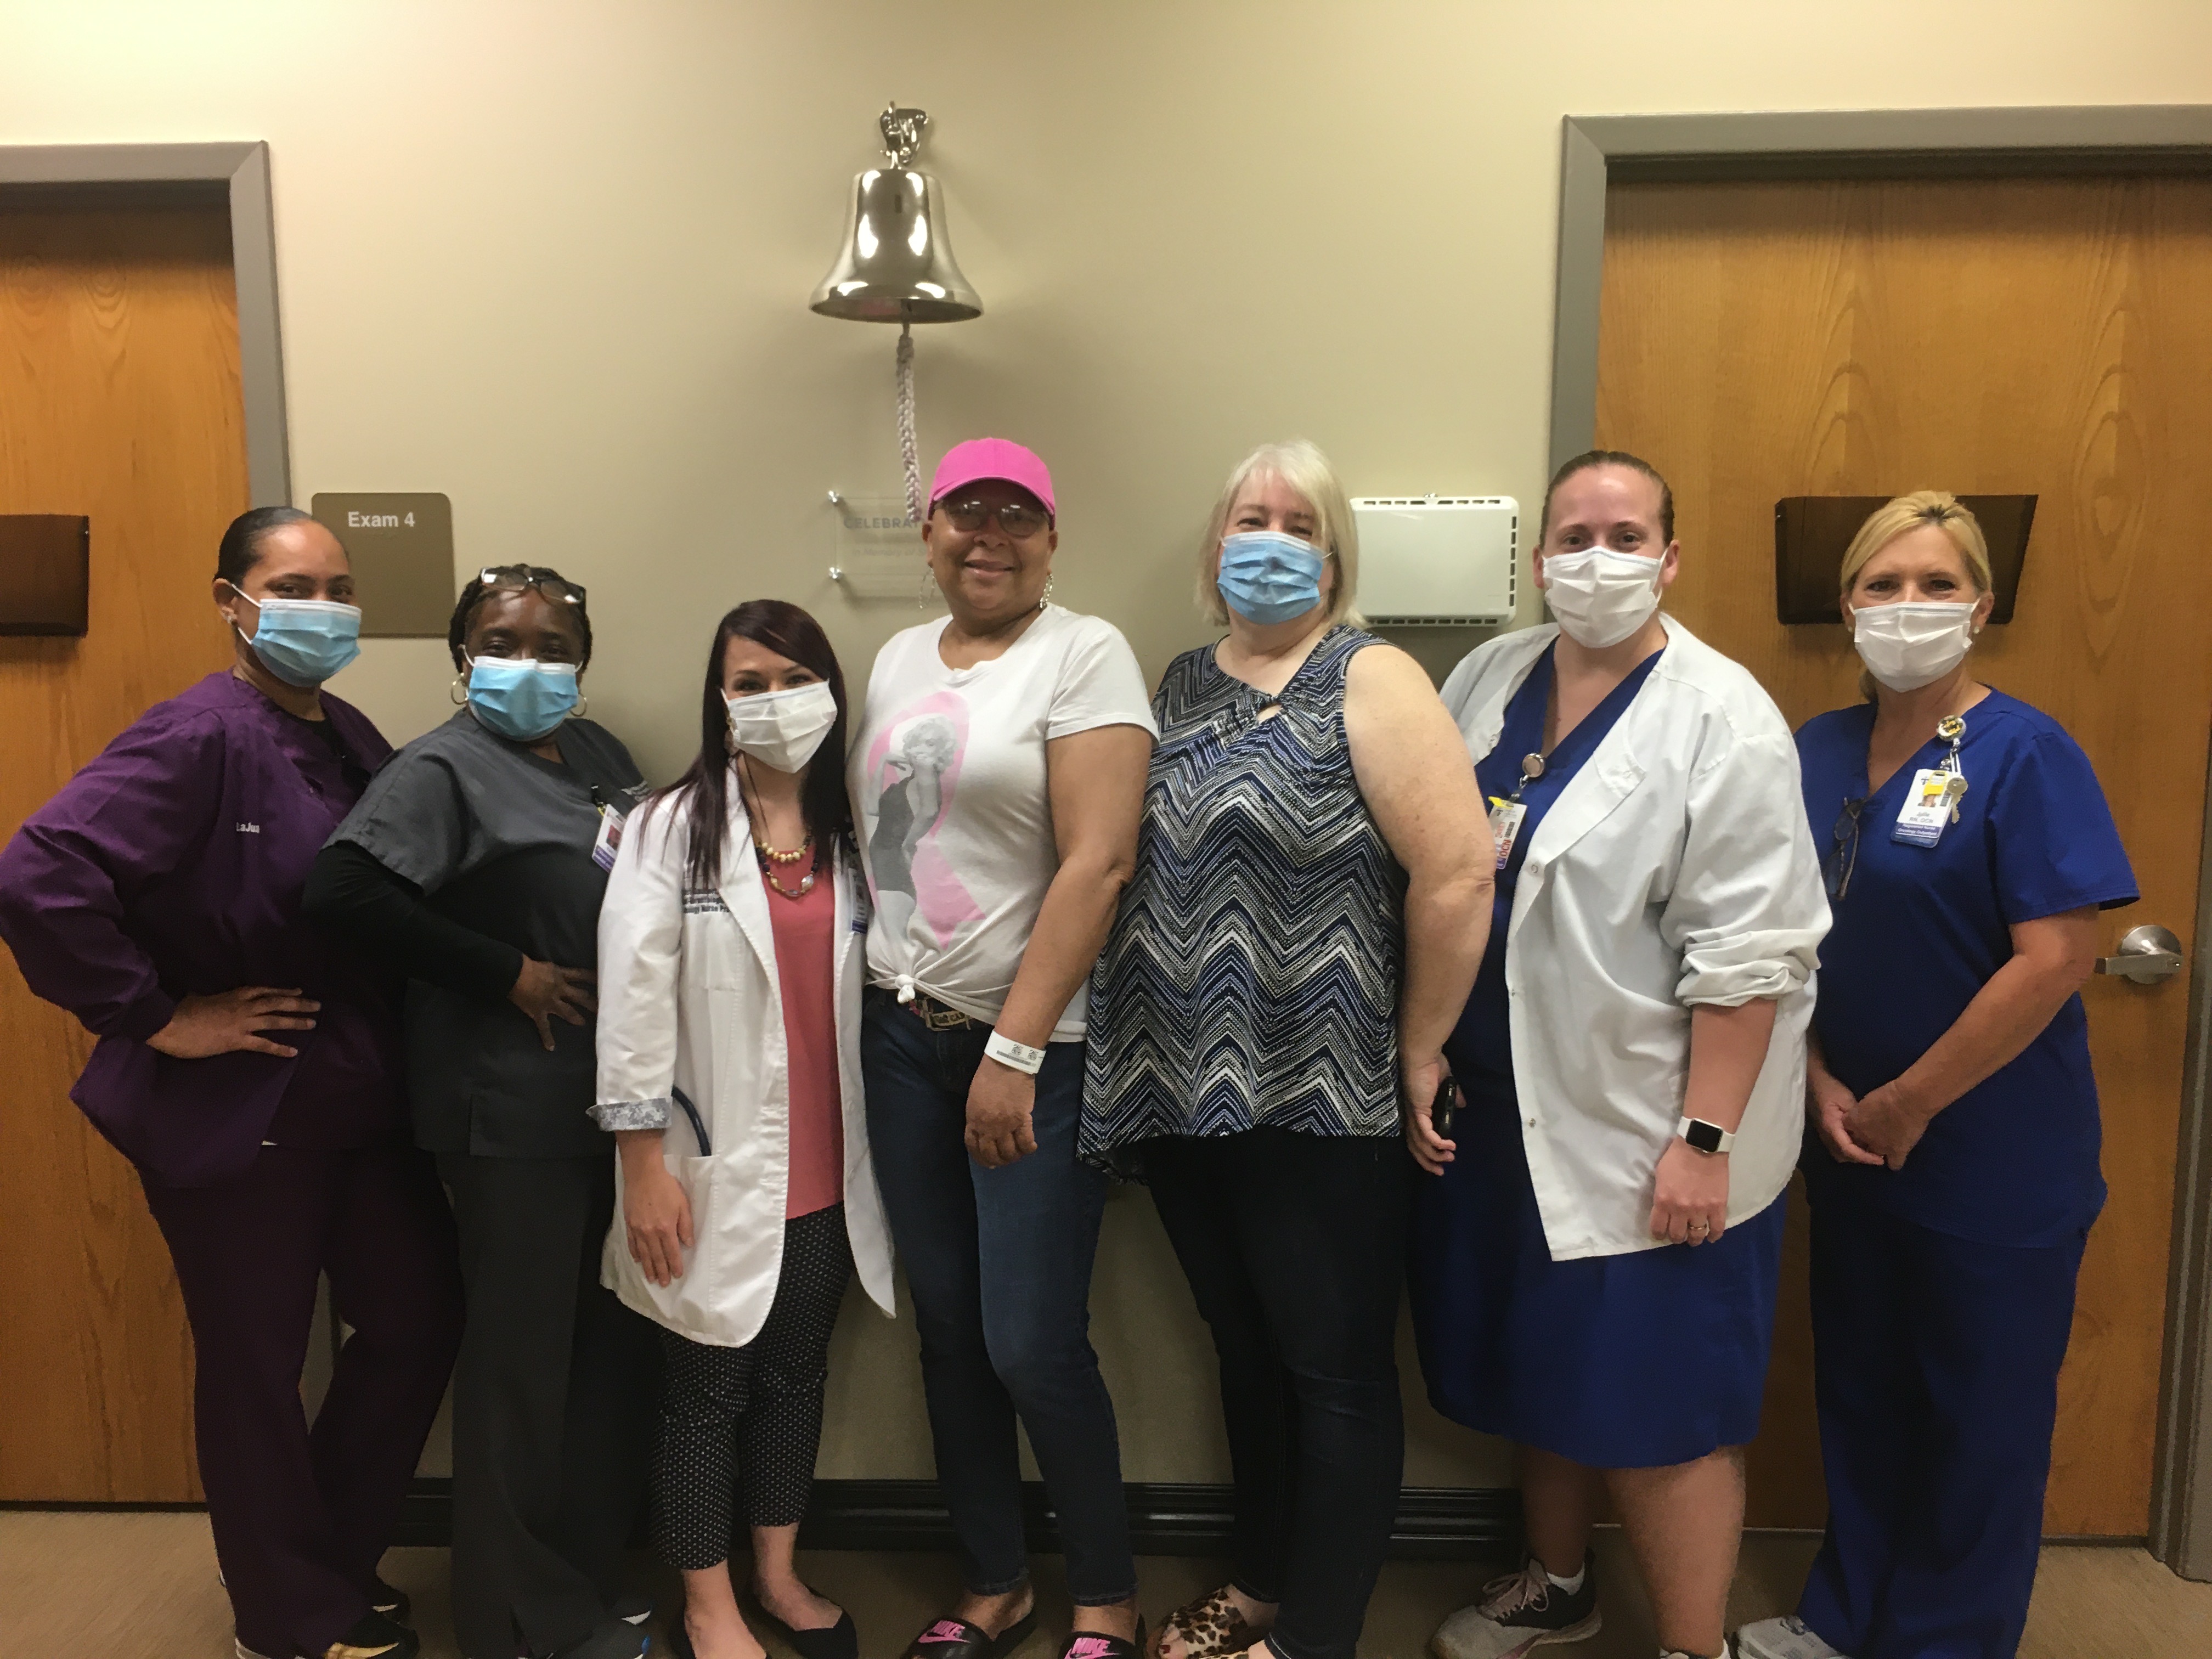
(1422, 1078)
(1001, 1107)
(1886, 1124)
(1832, 1104)
(1689, 1197)
(546, 992)
(227, 1023)
(657, 1216)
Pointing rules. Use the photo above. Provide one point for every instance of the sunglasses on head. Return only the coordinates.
(511, 578)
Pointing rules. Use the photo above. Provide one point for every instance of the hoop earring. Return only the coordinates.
(459, 692)
(583, 708)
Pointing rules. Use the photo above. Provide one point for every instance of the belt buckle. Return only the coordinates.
(936, 1016)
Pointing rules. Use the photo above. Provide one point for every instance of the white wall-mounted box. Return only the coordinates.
(1438, 559)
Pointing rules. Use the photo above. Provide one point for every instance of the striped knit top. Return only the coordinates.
(1253, 973)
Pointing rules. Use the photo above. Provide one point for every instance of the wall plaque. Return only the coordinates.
(401, 547)
(45, 573)
(1813, 532)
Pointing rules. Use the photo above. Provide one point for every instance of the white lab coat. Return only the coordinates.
(689, 998)
(1675, 869)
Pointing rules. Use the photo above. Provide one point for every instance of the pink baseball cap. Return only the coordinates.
(992, 458)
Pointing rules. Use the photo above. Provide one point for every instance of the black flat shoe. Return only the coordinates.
(839, 1641)
(392, 1602)
(956, 1639)
(610, 1639)
(375, 1636)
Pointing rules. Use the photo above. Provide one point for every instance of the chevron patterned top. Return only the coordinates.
(1252, 976)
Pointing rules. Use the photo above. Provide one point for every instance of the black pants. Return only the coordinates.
(301, 1515)
(750, 1416)
(1294, 1247)
(553, 1405)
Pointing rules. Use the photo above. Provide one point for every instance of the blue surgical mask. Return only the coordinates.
(303, 641)
(1269, 577)
(520, 697)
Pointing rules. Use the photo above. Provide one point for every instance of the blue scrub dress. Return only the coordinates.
(1639, 1360)
(1942, 1293)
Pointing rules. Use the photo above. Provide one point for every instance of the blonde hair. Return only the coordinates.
(1299, 464)
(1909, 513)
(1899, 517)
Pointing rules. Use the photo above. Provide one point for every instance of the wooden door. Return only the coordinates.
(1991, 335)
(119, 398)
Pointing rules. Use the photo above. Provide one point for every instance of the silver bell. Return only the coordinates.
(896, 265)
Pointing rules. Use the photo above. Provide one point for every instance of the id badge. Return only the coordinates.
(1505, 817)
(610, 839)
(1929, 806)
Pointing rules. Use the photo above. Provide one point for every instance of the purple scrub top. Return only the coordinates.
(172, 864)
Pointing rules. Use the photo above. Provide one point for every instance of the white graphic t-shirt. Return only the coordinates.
(948, 783)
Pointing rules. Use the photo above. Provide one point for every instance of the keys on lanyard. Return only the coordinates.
(1507, 811)
(1933, 801)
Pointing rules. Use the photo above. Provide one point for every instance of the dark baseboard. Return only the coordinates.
(1165, 1518)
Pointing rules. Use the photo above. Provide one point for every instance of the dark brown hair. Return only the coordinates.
(703, 791)
(1596, 458)
(240, 548)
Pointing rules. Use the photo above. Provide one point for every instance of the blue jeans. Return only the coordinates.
(999, 1264)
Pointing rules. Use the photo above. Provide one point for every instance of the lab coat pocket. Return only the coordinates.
(735, 1245)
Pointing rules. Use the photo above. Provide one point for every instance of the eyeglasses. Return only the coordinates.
(1843, 856)
(508, 577)
(969, 516)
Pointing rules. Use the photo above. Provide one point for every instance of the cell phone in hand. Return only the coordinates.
(1443, 1108)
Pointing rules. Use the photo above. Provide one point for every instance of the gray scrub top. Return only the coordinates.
(500, 840)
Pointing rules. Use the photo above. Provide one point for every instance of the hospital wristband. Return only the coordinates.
(1018, 1055)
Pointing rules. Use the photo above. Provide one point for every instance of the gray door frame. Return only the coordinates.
(1942, 144)
(242, 170)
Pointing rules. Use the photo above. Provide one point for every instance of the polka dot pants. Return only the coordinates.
(750, 1416)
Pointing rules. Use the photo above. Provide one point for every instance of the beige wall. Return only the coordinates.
(552, 259)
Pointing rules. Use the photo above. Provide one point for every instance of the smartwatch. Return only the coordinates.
(1703, 1137)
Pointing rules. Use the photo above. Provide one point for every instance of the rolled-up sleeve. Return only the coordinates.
(1747, 911)
(640, 951)
(140, 810)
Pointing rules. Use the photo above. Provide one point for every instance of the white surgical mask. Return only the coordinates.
(782, 729)
(1914, 642)
(1601, 597)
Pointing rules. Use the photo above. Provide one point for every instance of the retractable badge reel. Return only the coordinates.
(1933, 801)
(1507, 811)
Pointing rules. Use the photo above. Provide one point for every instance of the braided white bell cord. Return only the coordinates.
(908, 451)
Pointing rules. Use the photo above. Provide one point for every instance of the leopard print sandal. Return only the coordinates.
(1208, 1627)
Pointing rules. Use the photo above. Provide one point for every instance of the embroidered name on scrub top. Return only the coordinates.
(1933, 801)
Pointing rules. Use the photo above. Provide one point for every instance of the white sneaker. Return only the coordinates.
(1786, 1637)
(1519, 1612)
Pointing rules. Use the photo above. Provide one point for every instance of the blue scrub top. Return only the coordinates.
(1917, 933)
(1481, 1047)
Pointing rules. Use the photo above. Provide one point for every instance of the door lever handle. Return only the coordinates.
(2147, 954)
